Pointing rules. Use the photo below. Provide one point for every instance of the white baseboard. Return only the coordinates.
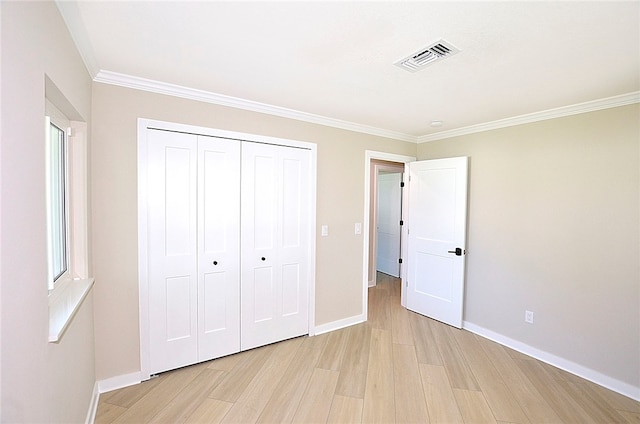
(93, 405)
(118, 382)
(596, 377)
(342, 323)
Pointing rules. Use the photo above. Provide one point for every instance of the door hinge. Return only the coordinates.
(401, 222)
(401, 183)
(400, 260)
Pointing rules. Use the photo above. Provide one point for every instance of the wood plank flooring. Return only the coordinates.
(398, 367)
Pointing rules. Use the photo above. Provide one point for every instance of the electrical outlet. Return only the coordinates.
(528, 317)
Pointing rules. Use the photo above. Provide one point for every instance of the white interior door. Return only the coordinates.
(389, 215)
(437, 237)
(172, 253)
(275, 243)
(218, 247)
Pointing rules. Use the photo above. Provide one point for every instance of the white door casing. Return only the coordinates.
(388, 228)
(275, 243)
(437, 222)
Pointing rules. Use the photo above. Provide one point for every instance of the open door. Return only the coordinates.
(437, 238)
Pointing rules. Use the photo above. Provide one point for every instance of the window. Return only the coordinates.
(58, 194)
(58, 210)
(65, 142)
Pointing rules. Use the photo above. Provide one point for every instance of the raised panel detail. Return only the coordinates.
(291, 203)
(290, 289)
(263, 294)
(437, 198)
(265, 202)
(434, 275)
(216, 187)
(178, 312)
(178, 204)
(215, 305)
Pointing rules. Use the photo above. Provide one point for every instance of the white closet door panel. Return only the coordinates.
(275, 251)
(218, 247)
(172, 249)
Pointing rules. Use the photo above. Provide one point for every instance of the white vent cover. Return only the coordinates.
(426, 56)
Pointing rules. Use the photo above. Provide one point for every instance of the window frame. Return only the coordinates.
(55, 118)
(70, 288)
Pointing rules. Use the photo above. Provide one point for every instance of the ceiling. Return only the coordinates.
(334, 60)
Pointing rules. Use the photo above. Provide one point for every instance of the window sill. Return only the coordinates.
(64, 302)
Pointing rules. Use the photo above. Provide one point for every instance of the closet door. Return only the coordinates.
(218, 247)
(275, 243)
(172, 253)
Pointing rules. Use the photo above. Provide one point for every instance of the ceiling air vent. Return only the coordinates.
(424, 57)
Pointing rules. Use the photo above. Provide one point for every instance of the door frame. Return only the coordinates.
(143, 283)
(378, 167)
(370, 155)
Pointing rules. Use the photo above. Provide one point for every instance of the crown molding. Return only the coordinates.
(72, 18)
(123, 80)
(607, 103)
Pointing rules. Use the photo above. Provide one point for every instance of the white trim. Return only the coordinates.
(93, 405)
(368, 156)
(143, 248)
(64, 301)
(118, 382)
(143, 125)
(341, 323)
(596, 377)
(607, 103)
(73, 19)
(312, 240)
(373, 200)
(159, 87)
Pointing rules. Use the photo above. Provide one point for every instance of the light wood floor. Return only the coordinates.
(398, 367)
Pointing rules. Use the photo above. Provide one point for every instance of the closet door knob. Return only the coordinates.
(215, 262)
(263, 258)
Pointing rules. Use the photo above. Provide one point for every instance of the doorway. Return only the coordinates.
(373, 160)
(386, 210)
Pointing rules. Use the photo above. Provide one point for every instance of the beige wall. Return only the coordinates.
(553, 228)
(41, 382)
(340, 204)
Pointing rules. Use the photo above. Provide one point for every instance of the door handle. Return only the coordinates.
(458, 251)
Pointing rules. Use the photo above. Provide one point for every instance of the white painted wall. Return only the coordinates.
(40, 381)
